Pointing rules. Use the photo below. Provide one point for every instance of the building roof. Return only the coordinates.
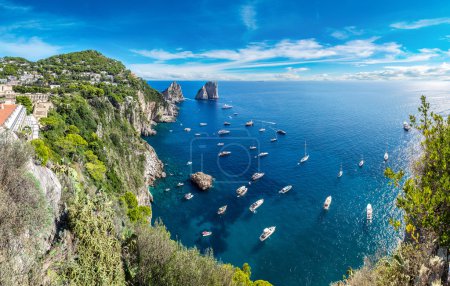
(6, 112)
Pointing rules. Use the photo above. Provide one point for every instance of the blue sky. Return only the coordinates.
(241, 40)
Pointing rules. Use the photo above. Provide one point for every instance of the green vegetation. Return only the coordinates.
(426, 203)
(25, 101)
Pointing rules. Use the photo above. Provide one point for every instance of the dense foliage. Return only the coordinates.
(26, 102)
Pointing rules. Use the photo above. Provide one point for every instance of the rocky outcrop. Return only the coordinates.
(173, 93)
(153, 169)
(210, 91)
(202, 180)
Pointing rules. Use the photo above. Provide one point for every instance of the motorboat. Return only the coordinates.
(267, 232)
(220, 144)
(249, 123)
(273, 139)
(206, 233)
(281, 132)
(252, 147)
(256, 205)
(188, 196)
(227, 106)
(257, 176)
(235, 114)
(369, 211)
(187, 129)
(180, 184)
(386, 156)
(203, 124)
(361, 163)
(406, 126)
(327, 203)
(189, 163)
(306, 157)
(226, 123)
(262, 129)
(285, 189)
(224, 153)
(223, 132)
(222, 210)
(197, 134)
(263, 154)
(242, 190)
(340, 172)
(167, 189)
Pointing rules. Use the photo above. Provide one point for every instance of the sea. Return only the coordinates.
(341, 123)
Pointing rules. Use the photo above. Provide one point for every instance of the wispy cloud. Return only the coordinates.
(420, 23)
(414, 72)
(248, 16)
(346, 32)
(32, 48)
(13, 7)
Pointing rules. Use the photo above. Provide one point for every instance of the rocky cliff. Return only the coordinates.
(210, 91)
(173, 93)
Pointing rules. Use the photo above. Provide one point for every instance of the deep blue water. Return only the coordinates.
(340, 122)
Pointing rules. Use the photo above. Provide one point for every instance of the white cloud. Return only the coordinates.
(162, 55)
(13, 7)
(346, 32)
(420, 23)
(33, 48)
(248, 16)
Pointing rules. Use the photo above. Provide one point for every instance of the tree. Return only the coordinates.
(42, 151)
(25, 101)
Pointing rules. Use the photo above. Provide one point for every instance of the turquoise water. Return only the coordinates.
(341, 122)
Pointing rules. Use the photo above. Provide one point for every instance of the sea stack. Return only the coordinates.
(202, 180)
(173, 93)
(209, 91)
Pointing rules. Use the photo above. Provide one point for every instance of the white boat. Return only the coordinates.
(203, 124)
(266, 233)
(340, 172)
(226, 123)
(327, 203)
(306, 157)
(224, 153)
(227, 106)
(263, 154)
(223, 132)
(167, 189)
(262, 129)
(281, 132)
(220, 144)
(206, 233)
(252, 147)
(197, 134)
(180, 184)
(361, 163)
(249, 123)
(256, 205)
(222, 210)
(369, 211)
(257, 176)
(386, 156)
(406, 126)
(242, 190)
(273, 139)
(187, 129)
(188, 196)
(285, 189)
(189, 163)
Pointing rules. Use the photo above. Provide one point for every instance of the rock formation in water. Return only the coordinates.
(173, 93)
(202, 180)
(209, 91)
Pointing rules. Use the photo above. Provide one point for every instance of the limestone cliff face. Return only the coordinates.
(173, 93)
(153, 169)
(210, 91)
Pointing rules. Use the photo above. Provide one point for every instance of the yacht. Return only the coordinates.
(281, 132)
(224, 153)
(189, 163)
(187, 129)
(203, 124)
(242, 190)
(206, 233)
(266, 233)
(220, 144)
(252, 147)
(386, 155)
(223, 132)
(227, 106)
(180, 184)
(285, 189)
(406, 126)
(340, 172)
(273, 139)
(188, 196)
(222, 210)
(167, 189)
(262, 129)
(198, 134)
(249, 123)
(361, 163)
(263, 154)
(306, 157)
(256, 205)
(327, 203)
(257, 176)
(226, 123)
(369, 212)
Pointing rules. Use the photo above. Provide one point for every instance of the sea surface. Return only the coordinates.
(341, 122)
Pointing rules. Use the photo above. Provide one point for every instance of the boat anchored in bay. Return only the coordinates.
(257, 176)
(327, 203)
(224, 153)
(222, 210)
(256, 205)
(241, 191)
(285, 189)
(267, 232)
(304, 158)
(369, 212)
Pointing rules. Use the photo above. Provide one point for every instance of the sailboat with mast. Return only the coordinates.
(361, 163)
(306, 157)
(340, 172)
